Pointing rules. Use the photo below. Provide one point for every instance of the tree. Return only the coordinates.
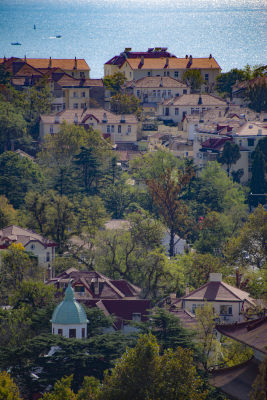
(114, 82)
(257, 95)
(14, 267)
(62, 390)
(167, 193)
(18, 176)
(226, 80)
(8, 388)
(36, 210)
(8, 214)
(230, 155)
(12, 125)
(193, 78)
(125, 104)
(34, 295)
(248, 246)
(141, 373)
(258, 391)
(89, 166)
(117, 198)
(258, 183)
(90, 389)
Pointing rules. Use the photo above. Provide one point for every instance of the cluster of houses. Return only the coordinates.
(190, 123)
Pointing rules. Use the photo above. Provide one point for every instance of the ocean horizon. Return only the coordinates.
(234, 32)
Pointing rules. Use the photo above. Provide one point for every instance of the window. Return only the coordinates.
(108, 128)
(240, 142)
(176, 74)
(149, 73)
(83, 333)
(74, 94)
(206, 77)
(72, 333)
(51, 129)
(83, 94)
(82, 75)
(154, 93)
(129, 129)
(250, 142)
(53, 331)
(75, 105)
(169, 92)
(167, 111)
(47, 256)
(168, 73)
(164, 73)
(60, 332)
(112, 128)
(119, 128)
(164, 93)
(158, 93)
(79, 289)
(138, 92)
(184, 91)
(195, 306)
(226, 310)
(136, 317)
(176, 111)
(32, 246)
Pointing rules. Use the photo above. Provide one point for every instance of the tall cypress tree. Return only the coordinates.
(258, 183)
(89, 166)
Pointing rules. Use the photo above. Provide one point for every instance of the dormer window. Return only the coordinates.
(32, 246)
(104, 120)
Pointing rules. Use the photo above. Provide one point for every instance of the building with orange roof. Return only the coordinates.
(159, 63)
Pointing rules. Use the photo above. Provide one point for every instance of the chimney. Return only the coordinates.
(167, 62)
(190, 58)
(210, 56)
(75, 63)
(200, 100)
(186, 56)
(25, 59)
(104, 118)
(187, 290)
(95, 285)
(50, 63)
(4, 58)
(215, 277)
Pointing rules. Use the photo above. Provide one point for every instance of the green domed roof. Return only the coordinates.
(69, 311)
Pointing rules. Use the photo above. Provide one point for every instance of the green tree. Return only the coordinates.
(125, 104)
(90, 389)
(14, 267)
(230, 155)
(226, 80)
(8, 388)
(257, 95)
(34, 295)
(117, 198)
(258, 183)
(248, 246)
(18, 176)
(36, 210)
(61, 391)
(89, 167)
(8, 214)
(4, 75)
(193, 78)
(12, 125)
(141, 373)
(114, 82)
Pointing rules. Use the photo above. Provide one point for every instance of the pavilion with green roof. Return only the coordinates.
(69, 318)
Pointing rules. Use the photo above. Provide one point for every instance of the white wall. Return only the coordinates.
(65, 329)
(236, 308)
(41, 252)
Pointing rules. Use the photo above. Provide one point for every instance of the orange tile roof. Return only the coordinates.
(64, 63)
(173, 63)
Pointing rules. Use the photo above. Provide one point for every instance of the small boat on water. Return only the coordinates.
(34, 26)
(58, 36)
(16, 44)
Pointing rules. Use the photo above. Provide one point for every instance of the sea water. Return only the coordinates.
(234, 32)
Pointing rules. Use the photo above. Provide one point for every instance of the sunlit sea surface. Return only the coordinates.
(235, 32)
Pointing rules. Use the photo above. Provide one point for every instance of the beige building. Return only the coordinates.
(156, 89)
(43, 249)
(177, 108)
(119, 128)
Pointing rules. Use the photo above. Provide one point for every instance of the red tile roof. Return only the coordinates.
(173, 63)
(119, 60)
(63, 63)
(215, 144)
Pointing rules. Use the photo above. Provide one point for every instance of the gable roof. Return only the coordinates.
(252, 333)
(173, 63)
(215, 143)
(83, 115)
(16, 234)
(196, 100)
(109, 289)
(150, 53)
(63, 63)
(157, 82)
(218, 291)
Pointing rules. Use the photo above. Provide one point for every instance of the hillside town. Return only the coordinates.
(133, 229)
